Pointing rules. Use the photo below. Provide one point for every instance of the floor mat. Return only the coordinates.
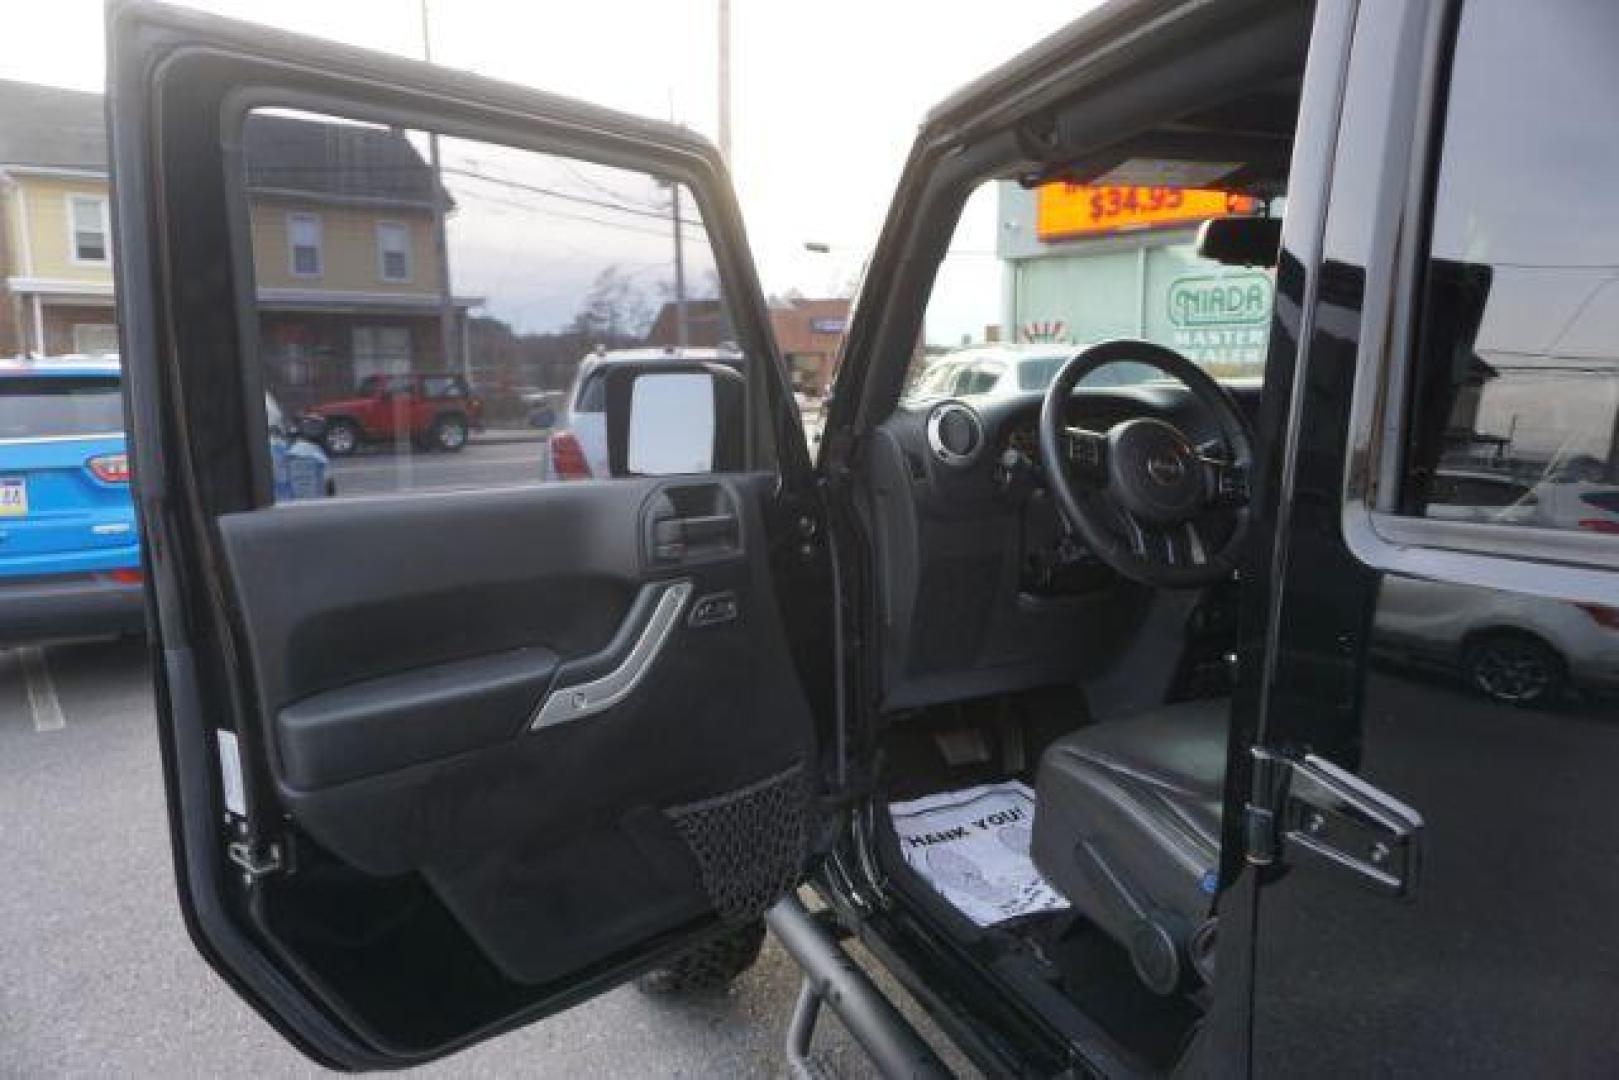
(972, 847)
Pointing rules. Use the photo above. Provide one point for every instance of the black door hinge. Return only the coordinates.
(1266, 792)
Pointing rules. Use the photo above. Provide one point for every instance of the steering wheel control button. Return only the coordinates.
(1085, 451)
(1231, 482)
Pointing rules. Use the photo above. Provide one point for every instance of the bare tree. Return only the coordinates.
(615, 311)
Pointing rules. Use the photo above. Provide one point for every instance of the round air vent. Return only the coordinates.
(955, 434)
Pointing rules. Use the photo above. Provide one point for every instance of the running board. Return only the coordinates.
(831, 978)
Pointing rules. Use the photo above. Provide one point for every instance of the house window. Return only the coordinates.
(380, 350)
(88, 228)
(303, 244)
(393, 251)
(95, 339)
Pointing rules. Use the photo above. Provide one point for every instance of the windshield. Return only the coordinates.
(1054, 268)
(1037, 374)
(58, 406)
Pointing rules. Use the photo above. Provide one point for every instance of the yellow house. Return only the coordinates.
(344, 231)
(59, 272)
(55, 227)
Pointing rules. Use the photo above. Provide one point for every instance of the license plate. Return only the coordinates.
(13, 497)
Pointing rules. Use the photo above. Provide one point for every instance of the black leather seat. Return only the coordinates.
(1127, 826)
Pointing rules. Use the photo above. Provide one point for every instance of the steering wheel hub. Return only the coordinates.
(1153, 471)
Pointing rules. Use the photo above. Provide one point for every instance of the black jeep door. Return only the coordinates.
(1439, 746)
(448, 747)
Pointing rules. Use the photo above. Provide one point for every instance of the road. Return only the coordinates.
(97, 975)
(486, 462)
(491, 459)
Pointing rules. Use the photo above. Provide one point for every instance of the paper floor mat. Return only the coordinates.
(972, 846)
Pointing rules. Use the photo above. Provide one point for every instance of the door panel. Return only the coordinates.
(455, 748)
(1462, 671)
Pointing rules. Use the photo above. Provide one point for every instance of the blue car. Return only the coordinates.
(70, 562)
(69, 551)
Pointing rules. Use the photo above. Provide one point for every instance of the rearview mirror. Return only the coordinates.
(1241, 241)
(670, 418)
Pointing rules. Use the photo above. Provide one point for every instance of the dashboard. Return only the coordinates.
(982, 589)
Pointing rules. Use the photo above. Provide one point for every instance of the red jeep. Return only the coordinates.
(434, 411)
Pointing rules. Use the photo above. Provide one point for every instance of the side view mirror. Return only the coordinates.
(667, 418)
(312, 428)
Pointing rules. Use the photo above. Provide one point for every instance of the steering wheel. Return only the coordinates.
(1141, 496)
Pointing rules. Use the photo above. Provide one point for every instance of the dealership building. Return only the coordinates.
(1084, 264)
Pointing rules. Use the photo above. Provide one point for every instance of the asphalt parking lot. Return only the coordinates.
(489, 460)
(97, 976)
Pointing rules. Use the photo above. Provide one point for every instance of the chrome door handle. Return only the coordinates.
(578, 700)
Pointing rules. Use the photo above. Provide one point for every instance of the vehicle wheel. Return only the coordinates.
(1514, 668)
(711, 966)
(342, 438)
(448, 433)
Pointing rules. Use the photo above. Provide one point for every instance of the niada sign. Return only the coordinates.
(1234, 300)
(1220, 318)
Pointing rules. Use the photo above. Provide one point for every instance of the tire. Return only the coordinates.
(1514, 668)
(448, 433)
(708, 967)
(342, 437)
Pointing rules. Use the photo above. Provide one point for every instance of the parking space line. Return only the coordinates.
(42, 699)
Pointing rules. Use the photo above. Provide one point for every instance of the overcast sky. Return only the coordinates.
(826, 96)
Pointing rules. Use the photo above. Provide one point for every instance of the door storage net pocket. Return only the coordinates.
(750, 843)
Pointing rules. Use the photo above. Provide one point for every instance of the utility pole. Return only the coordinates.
(441, 244)
(725, 80)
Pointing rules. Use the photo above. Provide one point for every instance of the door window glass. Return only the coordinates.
(401, 370)
(1516, 394)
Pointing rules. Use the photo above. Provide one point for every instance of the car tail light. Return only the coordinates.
(1601, 525)
(1604, 616)
(129, 576)
(567, 457)
(110, 468)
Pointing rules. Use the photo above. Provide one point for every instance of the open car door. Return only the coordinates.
(454, 748)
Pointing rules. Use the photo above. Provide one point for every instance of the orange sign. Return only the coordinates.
(1064, 211)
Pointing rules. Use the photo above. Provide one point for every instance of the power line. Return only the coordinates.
(657, 215)
(534, 208)
(647, 210)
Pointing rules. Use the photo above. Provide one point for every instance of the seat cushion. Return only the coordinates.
(1127, 818)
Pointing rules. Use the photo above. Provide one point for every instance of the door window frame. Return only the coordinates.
(1557, 563)
(176, 81)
